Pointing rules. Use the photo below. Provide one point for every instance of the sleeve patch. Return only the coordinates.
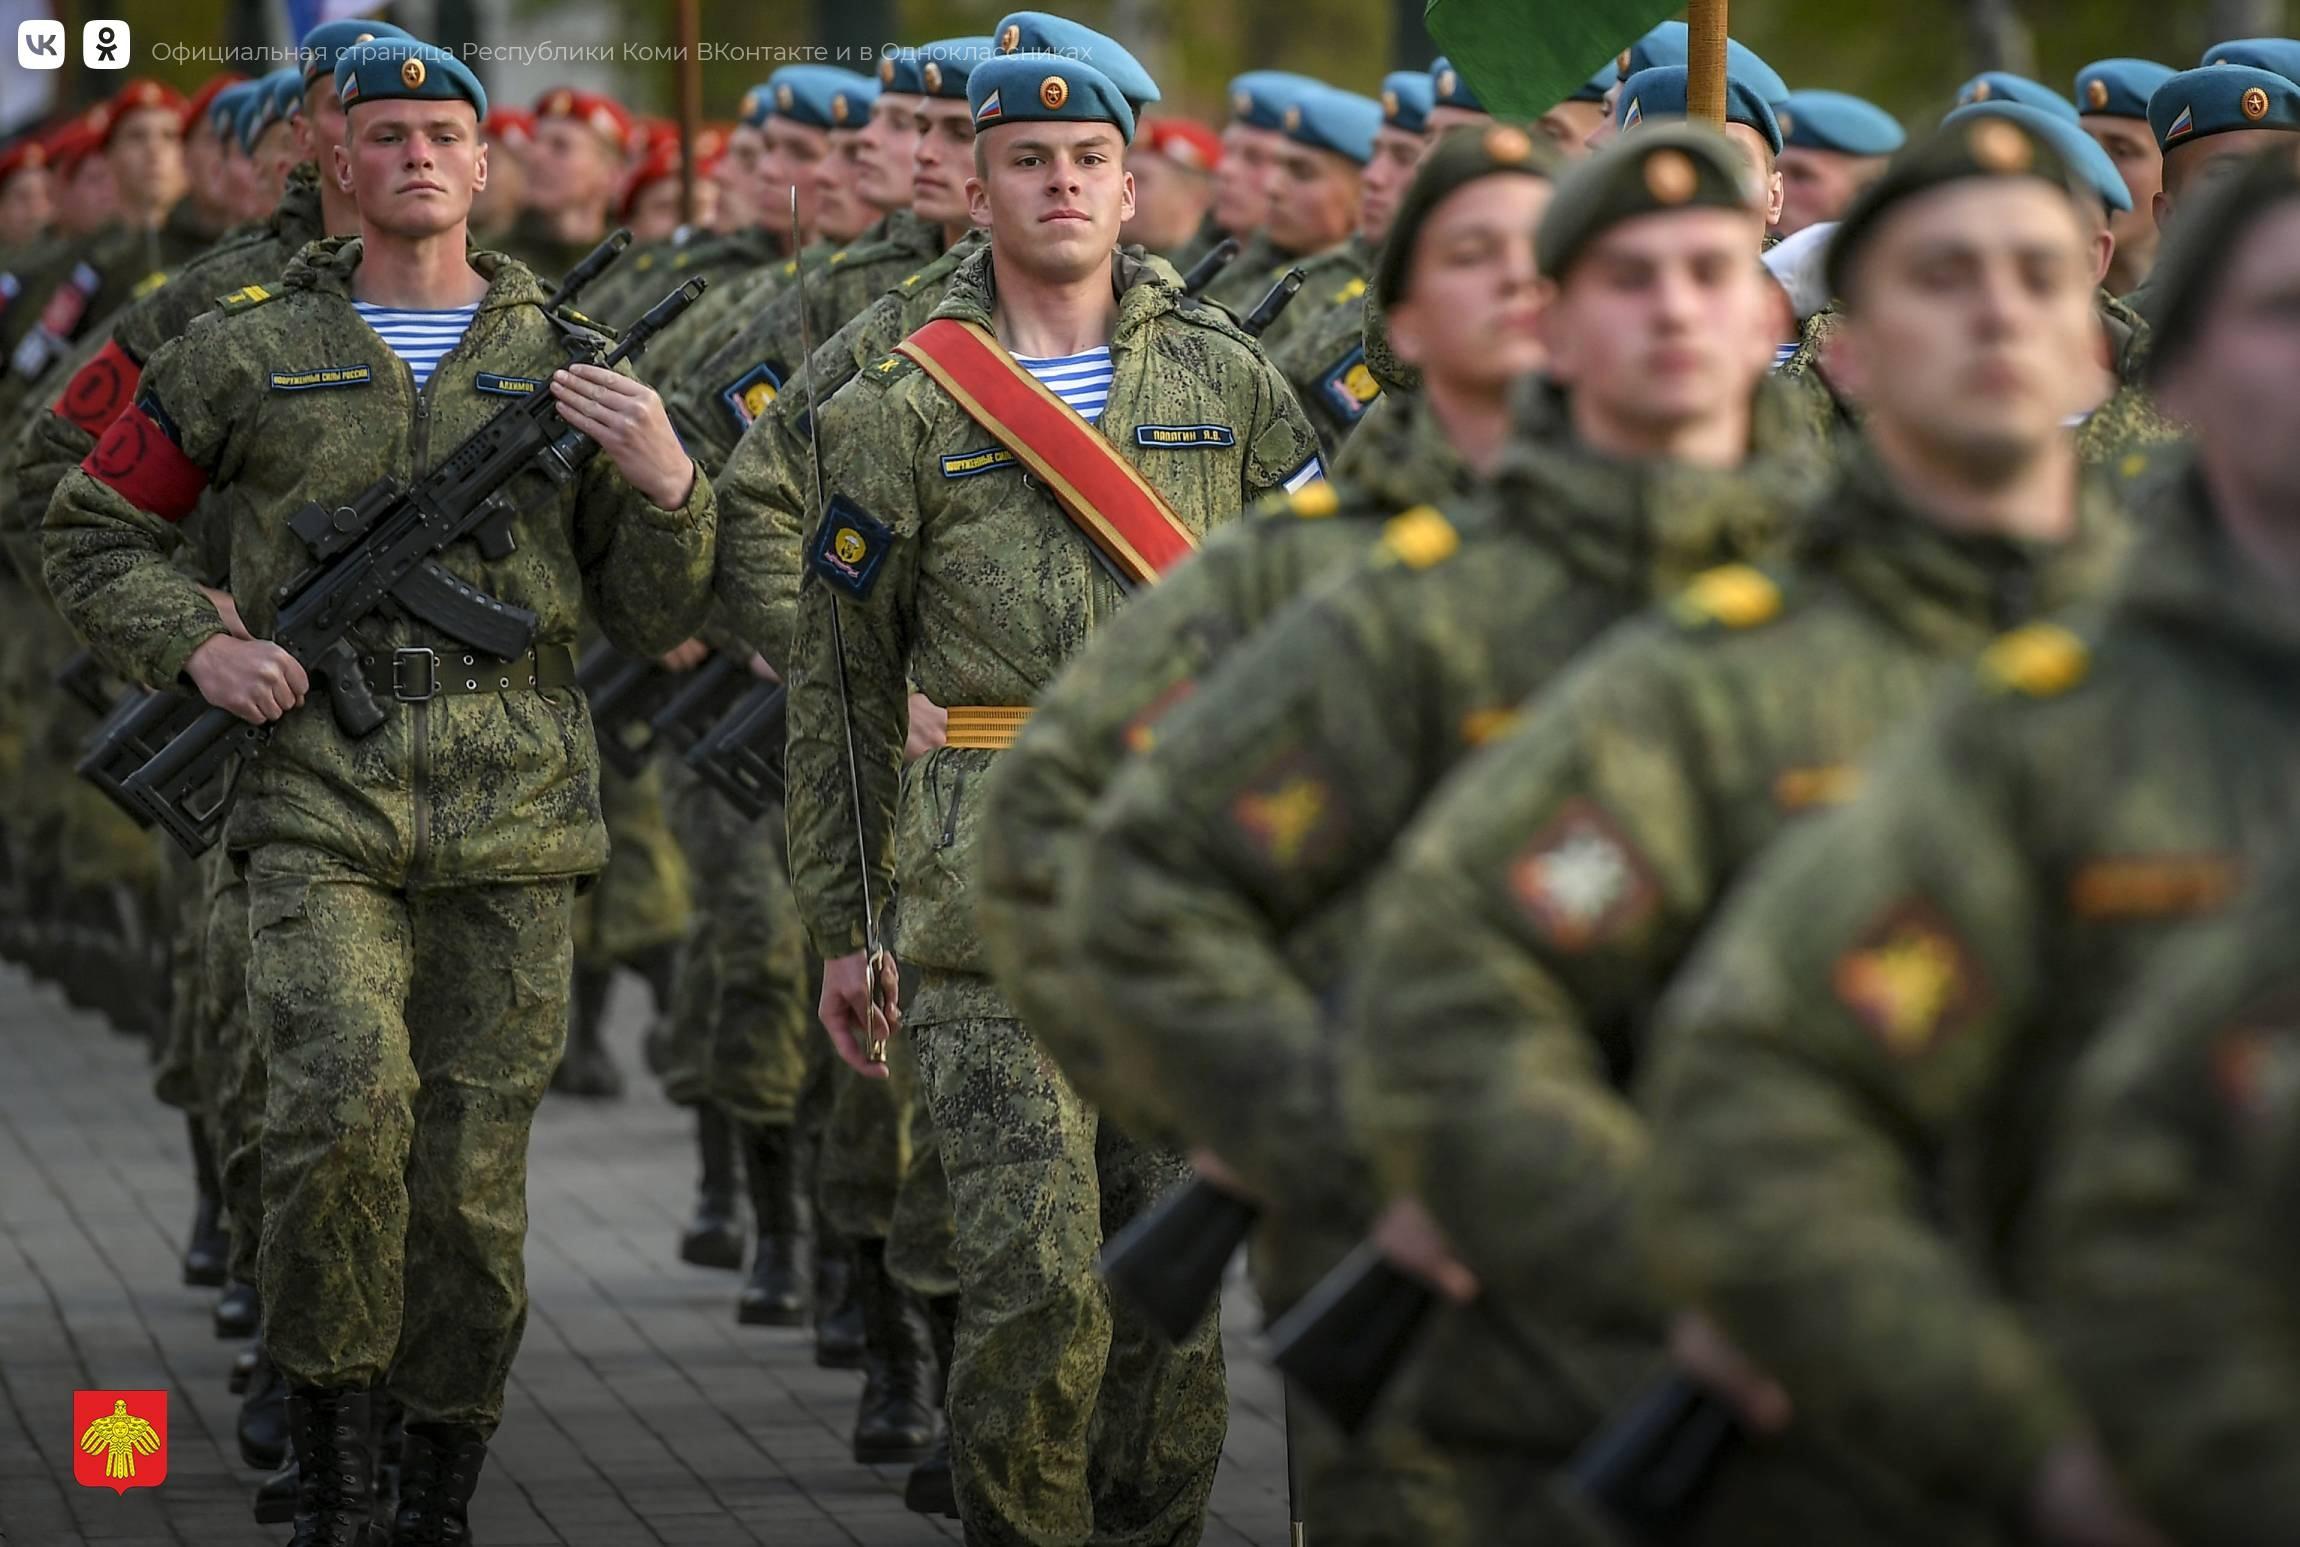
(851, 546)
(747, 396)
(1184, 435)
(1420, 537)
(97, 392)
(1291, 813)
(1349, 387)
(1581, 880)
(138, 456)
(1910, 981)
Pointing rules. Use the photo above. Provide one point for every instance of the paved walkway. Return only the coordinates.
(639, 1412)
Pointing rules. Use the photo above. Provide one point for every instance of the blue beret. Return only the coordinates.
(287, 92)
(1045, 88)
(1668, 44)
(1595, 88)
(324, 44)
(1035, 32)
(1831, 120)
(251, 111)
(2279, 54)
(2004, 86)
(1660, 93)
(1406, 99)
(2119, 88)
(224, 108)
(1449, 89)
(2078, 150)
(898, 71)
(404, 69)
(2219, 98)
(1259, 98)
(810, 93)
(944, 67)
(1336, 120)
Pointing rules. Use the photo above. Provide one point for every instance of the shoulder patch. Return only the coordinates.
(1910, 981)
(747, 396)
(1420, 537)
(243, 298)
(851, 546)
(1348, 386)
(2040, 660)
(1582, 880)
(1315, 500)
(1732, 596)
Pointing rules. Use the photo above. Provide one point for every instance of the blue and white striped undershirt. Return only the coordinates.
(421, 338)
(1081, 380)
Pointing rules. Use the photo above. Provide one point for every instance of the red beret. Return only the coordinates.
(25, 155)
(604, 114)
(512, 125)
(1182, 141)
(136, 94)
(660, 162)
(197, 107)
(76, 138)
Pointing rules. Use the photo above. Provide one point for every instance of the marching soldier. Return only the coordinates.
(409, 894)
(1856, 1079)
(1832, 146)
(2112, 101)
(1173, 162)
(1317, 193)
(1253, 143)
(1052, 367)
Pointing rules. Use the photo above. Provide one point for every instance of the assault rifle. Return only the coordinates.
(742, 755)
(1203, 271)
(382, 547)
(625, 692)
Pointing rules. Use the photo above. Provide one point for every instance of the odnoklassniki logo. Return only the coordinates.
(119, 1439)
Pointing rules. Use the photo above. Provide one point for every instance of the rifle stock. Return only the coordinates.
(1203, 271)
(1345, 1339)
(1647, 1470)
(625, 692)
(742, 755)
(83, 677)
(1169, 1263)
(699, 699)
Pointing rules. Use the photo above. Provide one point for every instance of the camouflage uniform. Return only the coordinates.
(1514, 948)
(126, 263)
(2168, 1283)
(1249, 276)
(1335, 278)
(640, 279)
(1067, 1421)
(409, 893)
(712, 403)
(1854, 1078)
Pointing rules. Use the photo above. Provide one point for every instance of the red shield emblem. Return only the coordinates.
(120, 1439)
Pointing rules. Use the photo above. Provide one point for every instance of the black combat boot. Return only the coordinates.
(585, 1069)
(929, 1490)
(438, 1472)
(782, 1264)
(714, 1237)
(210, 1245)
(276, 1495)
(239, 1311)
(893, 1422)
(838, 1308)
(263, 1422)
(334, 1437)
(244, 1368)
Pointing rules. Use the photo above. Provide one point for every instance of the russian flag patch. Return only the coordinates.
(990, 109)
(2185, 124)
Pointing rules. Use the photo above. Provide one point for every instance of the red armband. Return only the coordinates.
(142, 461)
(97, 392)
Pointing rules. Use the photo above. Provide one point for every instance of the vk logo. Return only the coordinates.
(40, 45)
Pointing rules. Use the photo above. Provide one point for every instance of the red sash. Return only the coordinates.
(1098, 489)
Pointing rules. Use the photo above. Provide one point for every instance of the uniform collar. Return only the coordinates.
(1144, 291)
(297, 218)
(327, 266)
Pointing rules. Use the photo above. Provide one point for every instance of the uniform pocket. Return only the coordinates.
(934, 859)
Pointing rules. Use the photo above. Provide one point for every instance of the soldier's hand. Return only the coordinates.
(687, 657)
(761, 670)
(849, 1001)
(626, 418)
(1415, 1243)
(253, 678)
(929, 728)
(228, 610)
(2075, 1502)
(1707, 1355)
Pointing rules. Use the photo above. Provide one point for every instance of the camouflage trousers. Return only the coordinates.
(880, 1175)
(236, 1107)
(1071, 1419)
(410, 1037)
(642, 897)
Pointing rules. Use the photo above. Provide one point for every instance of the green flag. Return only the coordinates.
(1523, 57)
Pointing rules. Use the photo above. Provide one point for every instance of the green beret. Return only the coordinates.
(1975, 146)
(1658, 170)
(1045, 88)
(2219, 99)
(2195, 258)
(403, 69)
(1464, 155)
(324, 44)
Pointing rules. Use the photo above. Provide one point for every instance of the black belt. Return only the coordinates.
(417, 674)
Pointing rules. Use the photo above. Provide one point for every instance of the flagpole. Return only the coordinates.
(1705, 60)
(690, 99)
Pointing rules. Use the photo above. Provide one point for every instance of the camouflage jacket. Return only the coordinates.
(1249, 276)
(719, 395)
(1852, 1080)
(2169, 1277)
(1325, 359)
(53, 439)
(640, 279)
(1514, 948)
(495, 786)
(1333, 278)
(1222, 878)
(1103, 707)
(984, 589)
(766, 488)
(723, 310)
(116, 265)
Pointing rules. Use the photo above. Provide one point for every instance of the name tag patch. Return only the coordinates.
(966, 464)
(747, 396)
(1184, 435)
(507, 386)
(850, 546)
(1349, 386)
(323, 376)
